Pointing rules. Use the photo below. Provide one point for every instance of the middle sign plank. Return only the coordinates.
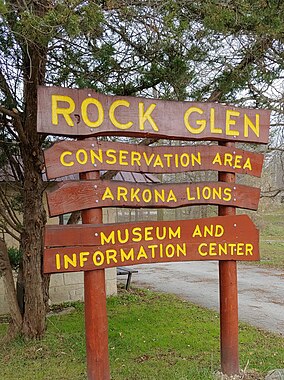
(81, 195)
(69, 157)
(90, 247)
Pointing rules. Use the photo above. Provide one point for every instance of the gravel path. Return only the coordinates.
(261, 291)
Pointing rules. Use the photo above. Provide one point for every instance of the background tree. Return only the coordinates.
(202, 50)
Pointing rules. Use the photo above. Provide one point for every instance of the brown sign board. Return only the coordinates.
(81, 195)
(69, 157)
(83, 112)
(90, 247)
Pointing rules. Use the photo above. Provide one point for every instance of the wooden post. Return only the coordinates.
(228, 298)
(96, 323)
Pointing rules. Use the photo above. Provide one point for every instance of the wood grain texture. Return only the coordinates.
(141, 117)
(228, 295)
(69, 157)
(101, 246)
(96, 320)
(80, 195)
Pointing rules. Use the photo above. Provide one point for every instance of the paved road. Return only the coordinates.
(261, 291)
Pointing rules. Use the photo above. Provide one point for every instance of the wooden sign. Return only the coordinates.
(80, 195)
(69, 157)
(89, 247)
(72, 112)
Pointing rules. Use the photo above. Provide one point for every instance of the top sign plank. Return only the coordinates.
(73, 112)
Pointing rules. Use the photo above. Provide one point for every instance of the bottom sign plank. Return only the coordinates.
(90, 247)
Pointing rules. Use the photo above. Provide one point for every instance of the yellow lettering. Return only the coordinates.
(240, 247)
(217, 159)
(174, 234)
(197, 231)
(111, 256)
(62, 159)
(170, 250)
(206, 192)
(127, 256)
(111, 153)
(134, 195)
(136, 231)
(147, 195)
(107, 239)
(201, 123)
(83, 258)
(158, 233)
(84, 158)
(185, 162)
(228, 193)
(208, 231)
(249, 124)
(247, 164)
(181, 249)
(228, 159)
(168, 157)
(148, 233)
(237, 161)
(143, 116)
(142, 254)
(122, 193)
(98, 258)
(230, 122)
(124, 239)
(65, 112)
(249, 249)
(196, 159)
(212, 122)
(107, 194)
(217, 193)
(68, 260)
(122, 157)
(223, 249)
(212, 249)
(115, 122)
(189, 197)
(96, 156)
(219, 230)
(158, 162)
(202, 253)
(159, 195)
(84, 110)
(136, 159)
(171, 196)
(147, 159)
(57, 261)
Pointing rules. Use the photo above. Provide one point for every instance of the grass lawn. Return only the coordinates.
(271, 228)
(151, 336)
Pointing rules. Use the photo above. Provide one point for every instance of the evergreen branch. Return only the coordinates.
(9, 209)
(6, 89)
(8, 214)
(249, 58)
(17, 122)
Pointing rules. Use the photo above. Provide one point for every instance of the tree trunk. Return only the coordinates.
(35, 291)
(8, 279)
(34, 217)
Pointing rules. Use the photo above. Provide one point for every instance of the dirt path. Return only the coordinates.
(261, 291)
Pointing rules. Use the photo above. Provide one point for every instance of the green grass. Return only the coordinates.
(151, 336)
(271, 227)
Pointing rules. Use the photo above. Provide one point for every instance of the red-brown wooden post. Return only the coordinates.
(228, 289)
(96, 323)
